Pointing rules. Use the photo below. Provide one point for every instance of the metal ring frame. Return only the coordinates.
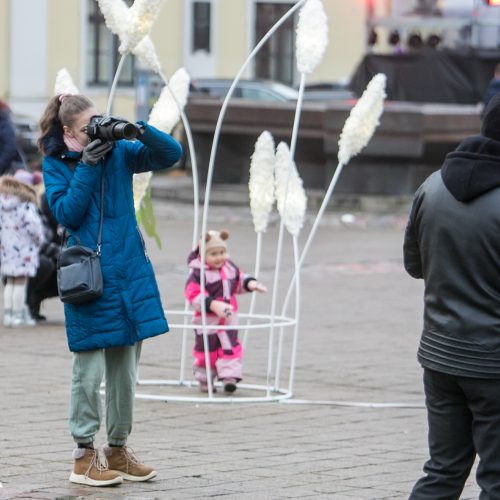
(272, 393)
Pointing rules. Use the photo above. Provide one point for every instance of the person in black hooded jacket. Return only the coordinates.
(44, 284)
(8, 148)
(452, 242)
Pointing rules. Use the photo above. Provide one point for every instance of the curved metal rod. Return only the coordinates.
(279, 394)
(296, 326)
(115, 83)
(266, 322)
(182, 367)
(213, 155)
(258, 253)
(194, 163)
(196, 203)
(295, 341)
(312, 233)
(293, 144)
(355, 404)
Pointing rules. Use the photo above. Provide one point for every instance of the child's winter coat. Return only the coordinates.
(220, 284)
(21, 229)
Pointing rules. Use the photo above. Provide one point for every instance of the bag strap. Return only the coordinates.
(101, 214)
(101, 218)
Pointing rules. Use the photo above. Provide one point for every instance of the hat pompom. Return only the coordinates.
(37, 177)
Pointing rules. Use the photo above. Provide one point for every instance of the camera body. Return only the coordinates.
(110, 128)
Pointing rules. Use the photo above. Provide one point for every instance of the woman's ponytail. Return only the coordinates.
(49, 122)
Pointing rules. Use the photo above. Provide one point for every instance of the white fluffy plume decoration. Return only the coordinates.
(115, 14)
(363, 119)
(132, 25)
(64, 83)
(261, 182)
(140, 186)
(146, 52)
(164, 116)
(166, 113)
(312, 36)
(141, 17)
(293, 208)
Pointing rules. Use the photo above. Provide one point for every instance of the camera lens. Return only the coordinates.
(124, 130)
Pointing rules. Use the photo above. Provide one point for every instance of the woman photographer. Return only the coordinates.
(105, 334)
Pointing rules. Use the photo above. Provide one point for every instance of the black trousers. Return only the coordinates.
(464, 419)
(43, 285)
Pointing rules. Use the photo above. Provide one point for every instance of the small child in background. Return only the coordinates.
(21, 235)
(223, 281)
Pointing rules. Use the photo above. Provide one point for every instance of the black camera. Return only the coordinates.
(109, 128)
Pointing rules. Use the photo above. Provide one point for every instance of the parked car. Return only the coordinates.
(261, 90)
(265, 90)
(326, 91)
(26, 134)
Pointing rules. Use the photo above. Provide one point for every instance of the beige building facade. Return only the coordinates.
(209, 38)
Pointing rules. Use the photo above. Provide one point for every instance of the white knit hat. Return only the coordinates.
(216, 239)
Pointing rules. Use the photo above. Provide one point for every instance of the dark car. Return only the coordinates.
(261, 90)
(26, 134)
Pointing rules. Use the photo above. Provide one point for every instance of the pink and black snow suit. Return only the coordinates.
(222, 284)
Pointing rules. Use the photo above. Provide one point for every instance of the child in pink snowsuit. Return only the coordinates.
(223, 280)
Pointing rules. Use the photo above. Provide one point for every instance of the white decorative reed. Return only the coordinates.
(363, 119)
(261, 183)
(140, 186)
(64, 83)
(311, 42)
(357, 132)
(312, 36)
(292, 204)
(146, 53)
(133, 25)
(261, 191)
(141, 17)
(173, 98)
(115, 14)
(165, 115)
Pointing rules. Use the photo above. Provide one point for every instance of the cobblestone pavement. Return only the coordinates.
(360, 322)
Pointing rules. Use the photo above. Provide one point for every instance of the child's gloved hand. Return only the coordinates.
(221, 309)
(255, 286)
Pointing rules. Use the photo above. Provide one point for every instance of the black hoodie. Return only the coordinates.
(473, 168)
(452, 241)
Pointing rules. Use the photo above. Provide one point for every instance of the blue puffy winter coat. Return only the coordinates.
(130, 309)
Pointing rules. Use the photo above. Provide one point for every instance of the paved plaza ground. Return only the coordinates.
(360, 324)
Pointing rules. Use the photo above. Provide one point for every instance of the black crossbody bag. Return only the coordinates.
(79, 276)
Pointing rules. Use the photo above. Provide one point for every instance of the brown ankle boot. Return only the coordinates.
(90, 471)
(121, 459)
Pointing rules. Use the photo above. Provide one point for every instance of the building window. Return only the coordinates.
(201, 26)
(276, 59)
(102, 51)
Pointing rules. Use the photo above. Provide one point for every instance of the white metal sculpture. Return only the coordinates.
(274, 170)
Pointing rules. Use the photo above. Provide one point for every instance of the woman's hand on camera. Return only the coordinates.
(95, 151)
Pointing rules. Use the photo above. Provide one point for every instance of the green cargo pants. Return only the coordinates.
(119, 366)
